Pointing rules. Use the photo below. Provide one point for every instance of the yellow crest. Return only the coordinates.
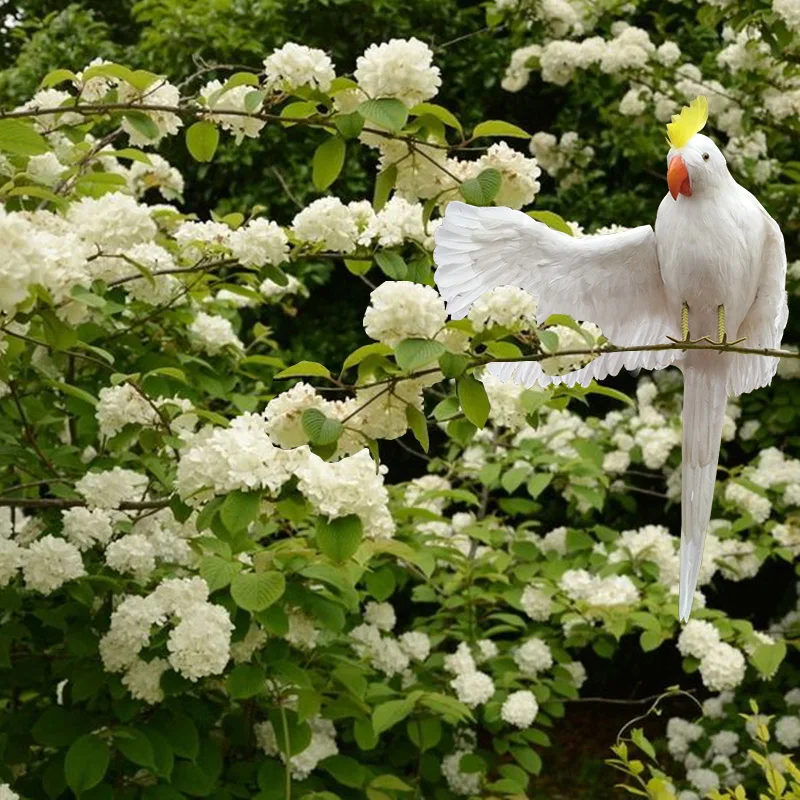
(690, 121)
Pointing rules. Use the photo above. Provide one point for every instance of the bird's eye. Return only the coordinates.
(705, 156)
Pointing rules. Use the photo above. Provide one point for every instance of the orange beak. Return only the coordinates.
(678, 178)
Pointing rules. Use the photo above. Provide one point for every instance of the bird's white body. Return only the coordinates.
(713, 246)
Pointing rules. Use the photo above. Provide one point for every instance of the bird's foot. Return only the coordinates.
(689, 340)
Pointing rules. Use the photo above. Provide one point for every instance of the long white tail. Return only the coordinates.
(704, 402)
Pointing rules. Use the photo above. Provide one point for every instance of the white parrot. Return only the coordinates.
(715, 263)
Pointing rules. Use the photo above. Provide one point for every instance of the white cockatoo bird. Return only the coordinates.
(715, 264)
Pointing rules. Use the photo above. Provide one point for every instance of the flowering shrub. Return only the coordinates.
(211, 583)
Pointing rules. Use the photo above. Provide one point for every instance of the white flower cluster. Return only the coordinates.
(322, 746)
(212, 334)
(597, 592)
(472, 687)
(295, 66)
(563, 159)
(464, 784)
(587, 337)
(533, 657)
(505, 306)
(242, 123)
(722, 666)
(198, 643)
(111, 488)
(520, 709)
(259, 242)
(537, 604)
(403, 310)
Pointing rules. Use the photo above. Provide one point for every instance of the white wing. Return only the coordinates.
(765, 320)
(612, 280)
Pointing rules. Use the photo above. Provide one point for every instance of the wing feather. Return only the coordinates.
(612, 280)
(765, 321)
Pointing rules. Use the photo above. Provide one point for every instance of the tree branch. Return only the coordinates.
(63, 502)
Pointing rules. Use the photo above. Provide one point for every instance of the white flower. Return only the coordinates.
(244, 650)
(238, 457)
(725, 743)
(787, 732)
(697, 638)
(668, 53)
(403, 310)
(789, 12)
(518, 71)
(533, 656)
(714, 707)
(240, 124)
(400, 68)
(536, 604)
(381, 615)
(461, 662)
(792, 698)
(158, 174)
(110, 488)
(473, 688)
(259, 242)
(154, 258)
(460, 783)
(555, 541)
(120, 405)
(294, 66)
(6, 793)
(388, 657)
(52, 98)
(704, 780)
(416, 645)
(397, 221)
(160, 93)
(45, 168)
(302, 634)
(327, 222)
(519, 173)
(86, 527)
(597, 592)
(200, 644)
(274, 291)
(197, 239)
(12, 558)
(143, 679)
(351, 486)
(722, 667)
(487, 650)
(577, 671)
(49, 563)
(322, 746)
(507, 306)
(520, 709)
(213, 333)
(132, 553)
(756, 505)
(284, 414)
(114, 222)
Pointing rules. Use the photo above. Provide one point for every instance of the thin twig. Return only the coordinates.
(64, 502)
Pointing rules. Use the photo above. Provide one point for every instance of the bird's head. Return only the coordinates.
(694, 162)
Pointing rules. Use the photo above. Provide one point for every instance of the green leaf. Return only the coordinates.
(321, 430)
(643, 743)
(202, 139)
(424, 733)
(497, 127)
(74, 391)
(21, 139)
(650, 640)
(528, 759)
(255, 591)
(305, 369)
(481, 190)
(142, 124)
(392, 264)
(391, 782)
(245, 680)
(768, 657)
(328, 162)
(239, 510)
(387, 112)
(358, 266)
(57, 76)
(357, 356)
(135, 746)
(437, 111)
(216, 572)
(345, 770)
(181, 732)
(302, 110)
(384, 184)
(349, 125)
(86, 763)
(419, 426)
(411, 354)
(339, 538)
(538, 483)
(473, 399)
(389, 714)
(552, 220)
